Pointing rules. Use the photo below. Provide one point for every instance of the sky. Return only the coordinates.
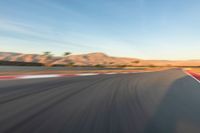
(148, 29)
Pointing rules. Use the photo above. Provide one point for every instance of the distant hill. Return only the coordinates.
(91, 59)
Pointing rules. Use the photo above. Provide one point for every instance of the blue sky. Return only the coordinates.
(149, 29)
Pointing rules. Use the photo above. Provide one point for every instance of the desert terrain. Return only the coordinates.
(91, 59)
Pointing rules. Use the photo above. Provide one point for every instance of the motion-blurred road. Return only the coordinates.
(153, 102)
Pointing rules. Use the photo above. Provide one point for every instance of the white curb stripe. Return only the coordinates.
(112, 73)
(87, 74)
(38, 76)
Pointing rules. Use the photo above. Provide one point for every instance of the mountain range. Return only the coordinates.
(91, 59)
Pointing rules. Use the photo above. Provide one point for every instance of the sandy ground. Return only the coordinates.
(196, 70)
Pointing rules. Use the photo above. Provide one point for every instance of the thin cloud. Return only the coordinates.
(33, 34)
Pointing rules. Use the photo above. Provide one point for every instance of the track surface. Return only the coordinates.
(155, 102)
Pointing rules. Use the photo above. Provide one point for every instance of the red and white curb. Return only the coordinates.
(43, 76)
(194, 75)
(53, 75)
(62, 75)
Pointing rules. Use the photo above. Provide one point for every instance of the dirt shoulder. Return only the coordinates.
(195, 70)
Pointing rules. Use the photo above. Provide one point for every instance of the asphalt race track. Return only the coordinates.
(153, 102)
